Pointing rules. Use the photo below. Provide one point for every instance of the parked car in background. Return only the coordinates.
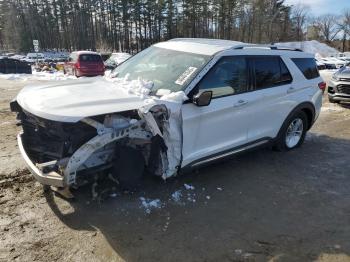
(219, 98)
(116, 59)
(34, 57)
(84, 63)
(339, 86)
(335, 61)
(14, 66)
(328, 64)
(18, 57)
(320, 65)
(345, 59)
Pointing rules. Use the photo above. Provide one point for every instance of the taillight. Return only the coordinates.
(77, 65)
(322, 86)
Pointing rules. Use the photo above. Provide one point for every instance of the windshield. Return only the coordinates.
(167, 69)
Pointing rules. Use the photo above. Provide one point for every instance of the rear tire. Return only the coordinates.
(292, 132)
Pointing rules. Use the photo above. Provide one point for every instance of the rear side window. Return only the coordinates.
(307, 66)
(90, 58)
(270, 71)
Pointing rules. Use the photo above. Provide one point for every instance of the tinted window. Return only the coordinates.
(227, 77)
(270, 71)
(90, 58)
(307, 66)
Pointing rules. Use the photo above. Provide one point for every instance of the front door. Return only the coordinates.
(222, 125)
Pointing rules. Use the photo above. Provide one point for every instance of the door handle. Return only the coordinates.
(291, 90)
(241, 103)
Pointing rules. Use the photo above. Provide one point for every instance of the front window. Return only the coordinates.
(227, 77)
(167, 69)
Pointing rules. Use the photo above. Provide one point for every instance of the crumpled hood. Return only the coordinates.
(71, 101)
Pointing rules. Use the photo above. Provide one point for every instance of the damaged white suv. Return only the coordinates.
(174, 106)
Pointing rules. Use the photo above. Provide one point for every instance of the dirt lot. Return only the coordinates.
(261, 206)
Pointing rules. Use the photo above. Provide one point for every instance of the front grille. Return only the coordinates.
(344, 79)
(344, 89)
(46, 140)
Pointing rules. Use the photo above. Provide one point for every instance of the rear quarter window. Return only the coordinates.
(270, 71)
(90, 58)
(307, 66)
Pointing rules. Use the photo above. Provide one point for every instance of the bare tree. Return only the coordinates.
(299, 17)
(132, 25)
(344, 26)
(328, 26)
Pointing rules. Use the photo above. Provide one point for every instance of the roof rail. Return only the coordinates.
(272, 47)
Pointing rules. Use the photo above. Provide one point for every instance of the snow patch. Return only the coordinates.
(189, 187)
(138, 87)
(313, 47)
(38, 76)
(331, 108)
(176, 196)
(149, 204)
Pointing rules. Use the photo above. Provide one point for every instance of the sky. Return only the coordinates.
(320, 7)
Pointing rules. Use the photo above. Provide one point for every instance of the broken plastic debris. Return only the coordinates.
(219, 188)
(208, 197)
(189, 187)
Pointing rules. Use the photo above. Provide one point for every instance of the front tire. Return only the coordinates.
(75, 73)
(292, 132)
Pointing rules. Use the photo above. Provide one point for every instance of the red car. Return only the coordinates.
(84, 63)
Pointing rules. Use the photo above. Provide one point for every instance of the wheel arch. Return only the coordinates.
(309, 109)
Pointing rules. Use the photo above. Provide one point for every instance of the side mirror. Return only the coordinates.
(203, 99)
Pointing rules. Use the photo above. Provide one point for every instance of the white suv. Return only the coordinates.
(174, 106)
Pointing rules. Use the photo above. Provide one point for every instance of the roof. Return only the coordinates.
(198, 45)
(210, 47)
(83, 52)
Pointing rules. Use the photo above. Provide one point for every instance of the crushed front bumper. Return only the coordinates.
(52, 178)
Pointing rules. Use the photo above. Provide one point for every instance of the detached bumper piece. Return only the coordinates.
(51, 178)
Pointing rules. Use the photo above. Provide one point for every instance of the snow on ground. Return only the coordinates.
(189, 187)
(176, 196)
(180, 197)
(149, 204)
(38, 76)
(313, 47)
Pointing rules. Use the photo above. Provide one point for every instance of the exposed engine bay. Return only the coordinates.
(102, 143)
(76, 130)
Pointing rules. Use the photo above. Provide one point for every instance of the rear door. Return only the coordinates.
(273, 84)
(90, 62)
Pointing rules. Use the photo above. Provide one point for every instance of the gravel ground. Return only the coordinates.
(260, 206)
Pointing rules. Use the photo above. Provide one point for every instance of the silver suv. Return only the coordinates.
(339, 86)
